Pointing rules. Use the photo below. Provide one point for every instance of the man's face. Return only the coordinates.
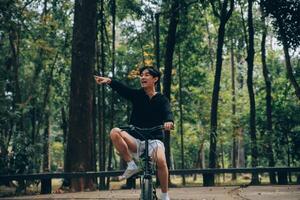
(147, 80)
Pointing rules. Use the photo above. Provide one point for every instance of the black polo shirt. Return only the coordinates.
(146, 112)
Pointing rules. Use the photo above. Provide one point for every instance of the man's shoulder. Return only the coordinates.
(161, 97)
(138, 93)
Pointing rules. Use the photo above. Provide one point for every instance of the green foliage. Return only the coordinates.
(43, 42)
(286, 15)
(22, 158)
(57, 156)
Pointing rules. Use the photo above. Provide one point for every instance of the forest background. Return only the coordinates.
(230, 69)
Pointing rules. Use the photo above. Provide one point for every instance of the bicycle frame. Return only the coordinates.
(148, 191)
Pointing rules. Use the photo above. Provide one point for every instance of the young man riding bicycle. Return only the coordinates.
(149, 109)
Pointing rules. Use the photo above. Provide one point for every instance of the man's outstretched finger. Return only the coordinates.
(168, 125)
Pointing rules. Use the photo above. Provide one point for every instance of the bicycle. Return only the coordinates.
(148, 190)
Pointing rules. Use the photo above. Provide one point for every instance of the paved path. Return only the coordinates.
(199, 193)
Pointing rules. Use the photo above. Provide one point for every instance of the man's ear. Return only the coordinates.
(156, 79)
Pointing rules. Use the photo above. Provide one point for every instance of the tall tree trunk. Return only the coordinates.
(157, 47)
(93, 147)
(130, 183)
(222, 159)
(200, 162)
(210, 46)
(223, 17)
(43, 113)
(290, 71)
(33, 123)
(201, 155)
(170, 46)
(39, 60)
(64, 126)
(241, 148)
(45, 121)
(80, 136)
(14, 46)
(214, 105)
(289, 67)
(288, 154)
(14, 41)
(181, 113)
(112, 112)
(46, 145)
(250, 60)
(267, 75)
(101, 98)
(46, 118)
(233, 110)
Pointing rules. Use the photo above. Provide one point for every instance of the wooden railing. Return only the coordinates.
(46, 178)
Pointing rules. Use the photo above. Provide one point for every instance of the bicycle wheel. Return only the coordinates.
(147, 189)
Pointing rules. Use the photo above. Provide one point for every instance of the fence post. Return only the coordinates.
(282, 178)
(208, 179)
(130, 183)
(298, 178)
(46, 186)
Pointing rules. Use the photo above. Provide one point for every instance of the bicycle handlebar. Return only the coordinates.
(144, 132)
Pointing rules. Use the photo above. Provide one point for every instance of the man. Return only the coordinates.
(149, 109)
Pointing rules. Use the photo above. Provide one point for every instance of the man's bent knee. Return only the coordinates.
(161, 163)
(115, 133)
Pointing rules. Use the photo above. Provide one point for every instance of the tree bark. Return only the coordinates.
(241, 148)
(16, 92)
(223, 17)
(170, 46)
(39, 65)
(94, 125)
(64, 126)
(101, 98)
(112, 112)
(46, 144)
(267, 78)
(210, 46)
(45, 119)
(157, 47)
(233, 110)
(289, 67)
(250, 60)
(181, 114)
(14, 46)
(80, 136)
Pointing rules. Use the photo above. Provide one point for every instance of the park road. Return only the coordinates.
(290, 192)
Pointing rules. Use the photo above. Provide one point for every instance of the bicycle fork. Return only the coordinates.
(148, 191)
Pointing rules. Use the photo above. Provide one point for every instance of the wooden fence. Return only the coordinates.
(46, 178)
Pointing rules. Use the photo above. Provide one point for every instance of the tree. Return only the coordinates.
(268, 84)
(80, 138)
(112, 112)
(286, 16)
(223, 16)
(170, 47)
(181, 112)
(101, 99)
(250, 63)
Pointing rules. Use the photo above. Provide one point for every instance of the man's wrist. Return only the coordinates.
(108, 81)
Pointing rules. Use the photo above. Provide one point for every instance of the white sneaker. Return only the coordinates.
(129, 173)
(165, 196)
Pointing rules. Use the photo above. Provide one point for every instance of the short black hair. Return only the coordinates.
(152, 71)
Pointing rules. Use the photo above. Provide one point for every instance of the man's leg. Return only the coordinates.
(125, 143)
(162, 168)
